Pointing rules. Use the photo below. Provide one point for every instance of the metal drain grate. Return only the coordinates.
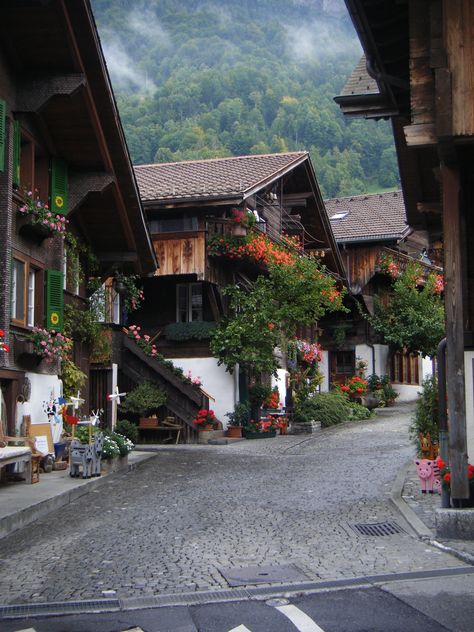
(377, 528)
(55, 608)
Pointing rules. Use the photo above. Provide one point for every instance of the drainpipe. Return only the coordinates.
(443, 415)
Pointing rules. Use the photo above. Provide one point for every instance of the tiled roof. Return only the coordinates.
(361, 218)
(360, 82)
(218, 177)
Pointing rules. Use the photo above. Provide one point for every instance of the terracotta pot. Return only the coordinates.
(239, 231)
(234, 432)
(207, 427)
(148, 422)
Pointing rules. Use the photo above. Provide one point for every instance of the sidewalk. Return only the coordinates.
(419, 510)
(22, 504)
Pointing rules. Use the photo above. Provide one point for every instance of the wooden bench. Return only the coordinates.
(169, 424)
(17, 454)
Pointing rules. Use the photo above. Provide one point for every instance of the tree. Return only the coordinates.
(411, 314)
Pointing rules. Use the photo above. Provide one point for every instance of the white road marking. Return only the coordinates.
(299, 619)
(240, 628)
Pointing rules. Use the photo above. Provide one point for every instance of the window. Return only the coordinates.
(345, 362)
(189, 302)
(30, 321)
(404, 368)
(18, 291)
(173, 224)
(26, 293)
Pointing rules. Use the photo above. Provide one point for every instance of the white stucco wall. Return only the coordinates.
(426, 367)
(215, 380)
(469, 381)
(364, 352)
(381, 360)
(324, 368)
(43, 389)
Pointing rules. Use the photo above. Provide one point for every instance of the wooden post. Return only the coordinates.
(454, 332)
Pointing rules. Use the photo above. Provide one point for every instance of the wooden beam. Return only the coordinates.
(454, 332)
(106, 257)
(443, 103)
(81, 184)
(420, 135)
(430, 207)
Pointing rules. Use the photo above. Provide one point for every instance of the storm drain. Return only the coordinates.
(52, 608)
(262, 575)
(377, 528)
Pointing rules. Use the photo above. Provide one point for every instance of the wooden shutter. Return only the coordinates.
(3, 112)
(54, 300)
(59, 187)
(16, 154)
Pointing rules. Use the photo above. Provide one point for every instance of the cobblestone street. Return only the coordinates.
(168, 526)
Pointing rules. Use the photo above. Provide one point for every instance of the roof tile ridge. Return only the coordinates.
(225, 158)
(363, 196)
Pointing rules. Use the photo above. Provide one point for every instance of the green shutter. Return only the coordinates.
(54, 300)
(59, 187)
(16, 154)
(3, 113)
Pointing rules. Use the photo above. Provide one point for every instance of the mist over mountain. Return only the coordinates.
(197, 79)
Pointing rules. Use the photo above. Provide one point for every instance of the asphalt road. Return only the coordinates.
(435, 605)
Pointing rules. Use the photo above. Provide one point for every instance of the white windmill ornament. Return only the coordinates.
(76, 401)
(114, 398)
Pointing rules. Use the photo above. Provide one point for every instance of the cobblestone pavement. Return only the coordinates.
(169, 525)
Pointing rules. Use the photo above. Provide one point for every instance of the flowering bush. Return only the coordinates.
(124, 444)
(50, 345)
(110, 449)
(244, 218)
(264, 425)
(205, 417)
(144, 342)
(195, 381)
(133, 295)
(308, 351)
(41, 214)
(3, 346)
(361, 366)
(445, 473)
(355, 386)
(273, 400)
(256, 247)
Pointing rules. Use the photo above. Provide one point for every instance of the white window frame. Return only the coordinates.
(31, 293)
(189, 306)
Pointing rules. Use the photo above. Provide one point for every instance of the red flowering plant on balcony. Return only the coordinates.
(257, 248)
(3, 345)
(205, 417)
(355, 386)
(243, 217)
(41, 214)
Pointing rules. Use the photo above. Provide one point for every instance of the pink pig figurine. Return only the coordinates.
(426, 473)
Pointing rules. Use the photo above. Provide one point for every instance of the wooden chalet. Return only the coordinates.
(420, 53)
(371, 230)
(60, 139)
(189, 205)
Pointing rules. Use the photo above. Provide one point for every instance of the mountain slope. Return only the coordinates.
(198, 79)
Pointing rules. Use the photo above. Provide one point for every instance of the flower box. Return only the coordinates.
(108, 466)
(248, 434)
(148, 422)
(27, 225)
(305, 428)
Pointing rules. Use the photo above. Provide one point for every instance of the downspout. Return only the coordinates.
(443, 415)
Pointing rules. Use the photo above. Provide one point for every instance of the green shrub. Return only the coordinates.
(124, 445)
(359, 412)
(241, 414)
(144, 400)
(426, 418)
(328, 408)
(195, 330)
(128, 429)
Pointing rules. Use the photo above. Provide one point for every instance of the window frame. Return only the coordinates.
(189, 306)
(29, 266)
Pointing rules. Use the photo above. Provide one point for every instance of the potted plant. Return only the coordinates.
(144, 401)
(206, 419)
(243, 220)
(238, 419)
(262, 429)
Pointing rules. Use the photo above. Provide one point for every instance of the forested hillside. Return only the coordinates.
(198, 79)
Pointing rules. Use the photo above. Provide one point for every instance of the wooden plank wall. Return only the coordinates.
(183, 255)
(458, 17)
(421, 77)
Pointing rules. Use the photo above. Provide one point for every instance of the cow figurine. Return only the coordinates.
(76, 460)
(87, 461)
(426, 473)
(98, 447)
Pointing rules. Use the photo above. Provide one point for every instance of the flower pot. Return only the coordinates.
(234, 432)
(148, 422)
(207, 428)
(238, 230)
(108, 466)
(248, 434)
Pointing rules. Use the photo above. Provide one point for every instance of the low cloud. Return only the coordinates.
(320, 40)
